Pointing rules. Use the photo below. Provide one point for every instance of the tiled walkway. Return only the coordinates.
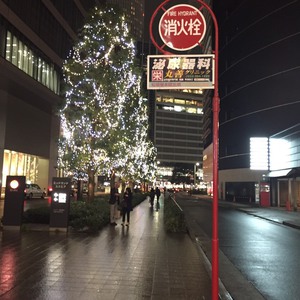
(139, 262)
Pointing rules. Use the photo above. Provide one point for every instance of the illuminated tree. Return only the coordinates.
(104, 119)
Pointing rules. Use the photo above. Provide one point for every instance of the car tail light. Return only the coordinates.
(50, 190)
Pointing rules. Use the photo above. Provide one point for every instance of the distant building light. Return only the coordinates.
(279, 154)
(259, 153)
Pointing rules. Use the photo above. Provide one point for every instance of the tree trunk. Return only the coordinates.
(79, 189)
(123, 187)
(91, 185)
(112, 179)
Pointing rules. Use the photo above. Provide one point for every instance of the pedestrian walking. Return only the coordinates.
(113, 202)
(126, 205)
(152, 196)
(157, 193)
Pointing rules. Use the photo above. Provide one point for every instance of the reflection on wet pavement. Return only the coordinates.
(141, 261)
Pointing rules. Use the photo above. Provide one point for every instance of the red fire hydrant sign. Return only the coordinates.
(182, 27)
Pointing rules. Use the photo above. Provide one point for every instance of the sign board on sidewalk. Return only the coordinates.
(14, 202)
(60, 203)
(180, 71)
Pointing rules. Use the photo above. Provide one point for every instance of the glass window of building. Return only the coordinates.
(20, 55)
(14, 56)
(179, 101)
(191, 110)
(167, 99)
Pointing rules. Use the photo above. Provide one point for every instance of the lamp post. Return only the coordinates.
(195, 172)
(158, 173)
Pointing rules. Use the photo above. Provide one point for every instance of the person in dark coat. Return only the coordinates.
(127, 206)
(157, 193)
(152, 196)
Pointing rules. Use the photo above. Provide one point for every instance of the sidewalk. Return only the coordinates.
(139, 262)
(275, 214)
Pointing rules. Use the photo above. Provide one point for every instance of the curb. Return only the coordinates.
(286, 223)
(223, 293)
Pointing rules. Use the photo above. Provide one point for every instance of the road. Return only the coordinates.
(264, 252)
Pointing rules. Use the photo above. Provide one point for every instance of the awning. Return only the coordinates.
(279, 173)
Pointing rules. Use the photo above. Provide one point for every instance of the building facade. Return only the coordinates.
(176, 116)
(259, 90)
(178, 132)
(36, 37)
(135, 11)
(284, 175)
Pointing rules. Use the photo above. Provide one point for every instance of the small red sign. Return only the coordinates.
(182, 27)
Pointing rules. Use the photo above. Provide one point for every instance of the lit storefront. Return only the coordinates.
(273, 178)
(34, 168)
(285, 167)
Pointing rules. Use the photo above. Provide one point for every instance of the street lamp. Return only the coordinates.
(195, 172)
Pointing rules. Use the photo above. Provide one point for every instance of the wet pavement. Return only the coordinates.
(236, 285)
(141, 261)
(275, 214)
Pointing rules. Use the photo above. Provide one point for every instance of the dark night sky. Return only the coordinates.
(150, 6)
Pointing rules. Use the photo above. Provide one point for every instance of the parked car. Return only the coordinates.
(33, 190)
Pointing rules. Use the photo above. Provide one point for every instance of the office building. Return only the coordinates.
(176, 116)
(178, 132)
(36, 37)
(135, 11)
(259, 91)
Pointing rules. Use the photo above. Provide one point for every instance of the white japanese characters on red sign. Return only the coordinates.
(182, 27)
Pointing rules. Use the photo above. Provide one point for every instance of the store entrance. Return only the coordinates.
(289, 189)
(34, 168)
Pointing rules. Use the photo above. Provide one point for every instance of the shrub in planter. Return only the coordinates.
(173, 217)
(87, 216)
(91, 216)
(137, 198)
(37, 215)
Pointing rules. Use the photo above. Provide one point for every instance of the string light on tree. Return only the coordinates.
(104, 118)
